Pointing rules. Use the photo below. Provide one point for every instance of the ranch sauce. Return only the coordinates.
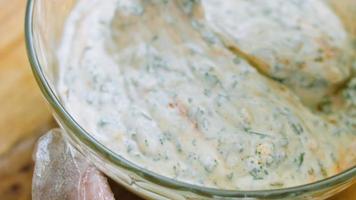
(157, 87)
(300, 43)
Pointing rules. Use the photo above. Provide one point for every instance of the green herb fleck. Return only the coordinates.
(322, 169)
(212, 79)
(103, 122)
(297, 128)
(258, 174)
(300, 159)
(146, 116)
(259, 134)
(237, 60)
(207, 92)
(230, 176)
(179, 147)
(318, 59)
(276, 184)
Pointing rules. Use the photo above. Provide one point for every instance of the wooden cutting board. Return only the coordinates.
(24, 115)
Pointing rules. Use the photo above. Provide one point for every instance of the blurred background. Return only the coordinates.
(24, 114)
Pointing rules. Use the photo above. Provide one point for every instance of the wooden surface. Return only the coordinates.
(24, 115)
(23, 112)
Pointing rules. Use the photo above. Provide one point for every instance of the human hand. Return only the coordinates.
(62, 173)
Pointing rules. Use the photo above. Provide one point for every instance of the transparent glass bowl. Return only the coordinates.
(43, 26)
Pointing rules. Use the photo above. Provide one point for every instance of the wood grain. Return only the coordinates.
(24, 114)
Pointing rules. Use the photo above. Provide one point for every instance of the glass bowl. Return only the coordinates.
(43, 26)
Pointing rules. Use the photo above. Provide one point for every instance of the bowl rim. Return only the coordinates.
(110, 156)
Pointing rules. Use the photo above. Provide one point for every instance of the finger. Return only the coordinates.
(62, 173)
(94, 186)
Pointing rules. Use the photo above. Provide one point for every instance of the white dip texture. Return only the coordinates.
(216, 95)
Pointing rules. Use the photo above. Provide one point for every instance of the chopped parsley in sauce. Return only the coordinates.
(153, 82)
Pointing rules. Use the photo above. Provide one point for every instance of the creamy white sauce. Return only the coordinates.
(300, 43)
(151, 82)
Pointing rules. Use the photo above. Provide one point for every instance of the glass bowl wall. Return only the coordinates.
(44, 24)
